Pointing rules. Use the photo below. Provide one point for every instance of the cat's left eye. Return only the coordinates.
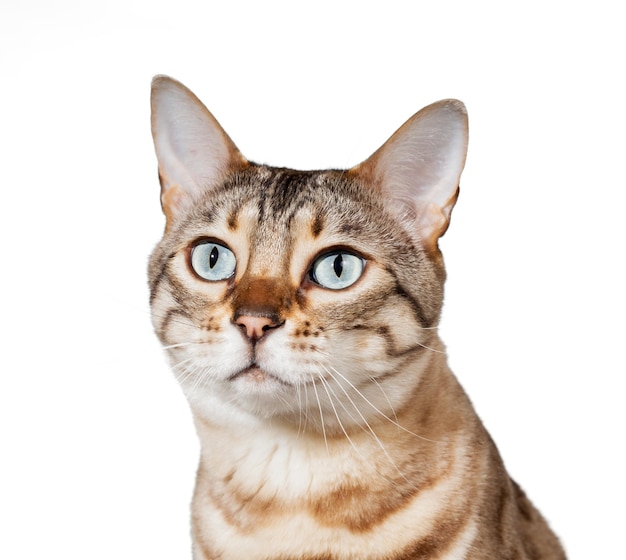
(337, 270)
(213, 261)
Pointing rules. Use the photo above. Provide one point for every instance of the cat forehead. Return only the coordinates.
(282, 199)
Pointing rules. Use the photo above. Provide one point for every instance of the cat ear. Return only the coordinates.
(192, 149)
(419, 167)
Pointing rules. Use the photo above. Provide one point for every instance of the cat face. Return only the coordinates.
(305, 297)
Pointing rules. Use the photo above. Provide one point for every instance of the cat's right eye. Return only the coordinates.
(213, 261)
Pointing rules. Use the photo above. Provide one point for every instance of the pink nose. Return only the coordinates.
(255, 327)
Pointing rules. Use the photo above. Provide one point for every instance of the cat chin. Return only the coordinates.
(252, 393)
(253, 379)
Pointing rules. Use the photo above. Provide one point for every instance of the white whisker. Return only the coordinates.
(180, 345)
(319, 404)
(303, 418)
(354, 420)
(386, 397)
(431, 349)
(369, 427)
(303, 413)
(325, 385)
(188, 373)
(394, 422)
(181, 370)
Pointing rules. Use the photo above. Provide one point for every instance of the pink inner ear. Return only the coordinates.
(418, 169)
(172, 201)
(434, 220)
(193, 151)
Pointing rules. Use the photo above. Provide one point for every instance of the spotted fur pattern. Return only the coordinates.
(329, 422)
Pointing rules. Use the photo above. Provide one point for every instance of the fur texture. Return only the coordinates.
(299, 312)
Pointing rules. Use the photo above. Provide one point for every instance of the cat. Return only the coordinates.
(299, 312)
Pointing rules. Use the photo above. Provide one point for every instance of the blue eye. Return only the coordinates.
(213, 261)
(337, 270)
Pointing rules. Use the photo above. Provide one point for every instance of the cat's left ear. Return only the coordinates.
(418, 169)
(192, 149)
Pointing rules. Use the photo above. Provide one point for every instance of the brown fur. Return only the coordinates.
(330, 424)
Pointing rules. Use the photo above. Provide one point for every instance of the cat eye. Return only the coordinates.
(337, 270)
(213, 261)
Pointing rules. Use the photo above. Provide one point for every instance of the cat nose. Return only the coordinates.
(255, 327)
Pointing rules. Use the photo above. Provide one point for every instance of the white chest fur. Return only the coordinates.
(266, 493)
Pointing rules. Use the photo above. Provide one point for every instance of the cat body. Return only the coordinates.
(299, 313)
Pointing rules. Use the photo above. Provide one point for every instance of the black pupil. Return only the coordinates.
(213, 257)
(338, 265)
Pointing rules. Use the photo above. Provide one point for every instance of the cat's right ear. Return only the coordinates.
(192, 149)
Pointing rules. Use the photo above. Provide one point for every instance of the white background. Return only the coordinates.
(97, 450)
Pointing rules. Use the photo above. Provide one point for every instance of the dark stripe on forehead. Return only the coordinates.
(285, 191)
(233, 219)
(318, 224)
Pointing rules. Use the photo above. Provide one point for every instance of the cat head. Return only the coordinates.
(305, 296)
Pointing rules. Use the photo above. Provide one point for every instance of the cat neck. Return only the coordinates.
(358, 485)
(292, 456)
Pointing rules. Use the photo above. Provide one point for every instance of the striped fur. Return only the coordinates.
(330, 424)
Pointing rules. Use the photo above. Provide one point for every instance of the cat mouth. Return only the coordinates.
(255, 374)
